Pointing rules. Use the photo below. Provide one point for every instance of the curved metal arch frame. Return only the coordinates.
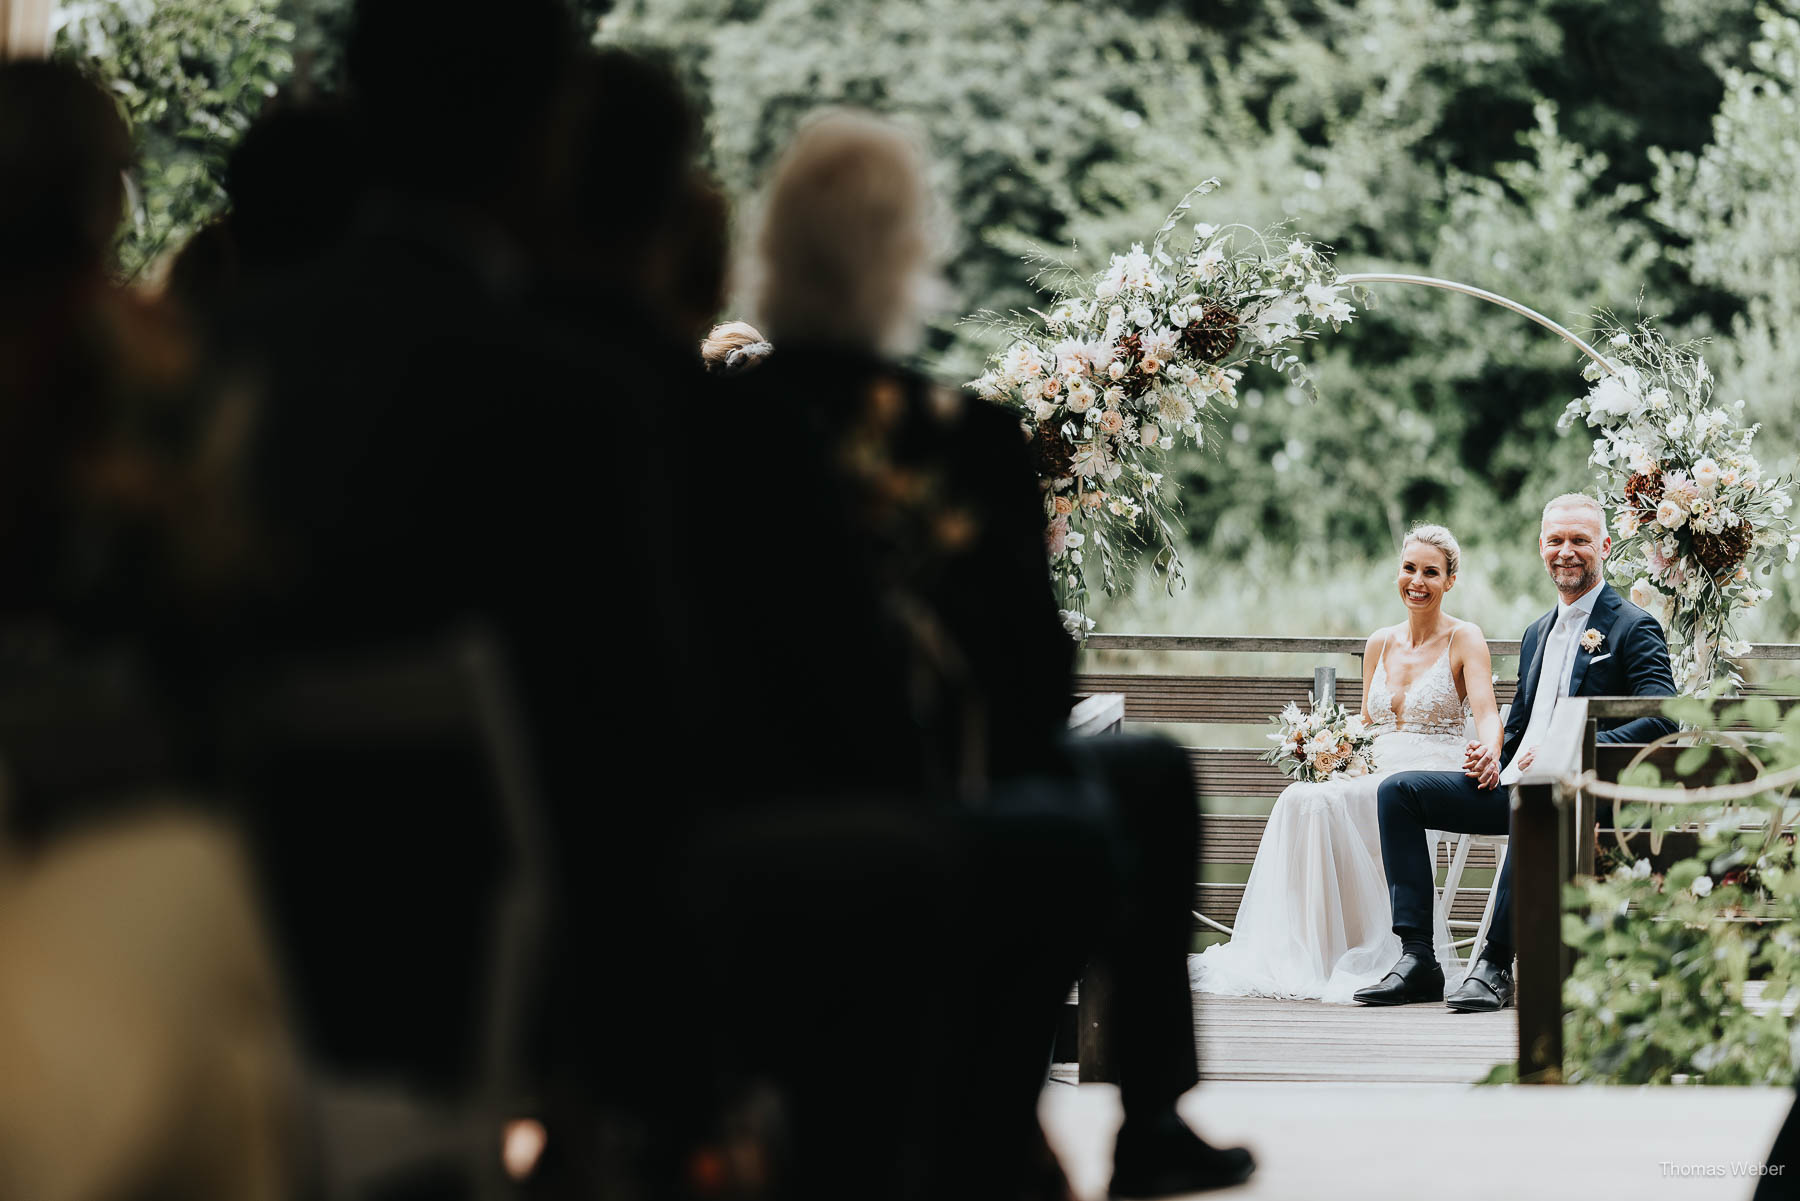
(1449, 285)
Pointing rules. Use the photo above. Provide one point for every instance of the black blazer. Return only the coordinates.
(1632, 661)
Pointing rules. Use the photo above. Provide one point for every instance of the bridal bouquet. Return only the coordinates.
(1123, 364)
(1328, 743)
(1697, 521)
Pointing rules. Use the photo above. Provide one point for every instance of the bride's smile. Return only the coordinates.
(1423, 578)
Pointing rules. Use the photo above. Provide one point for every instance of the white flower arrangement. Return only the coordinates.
(1695, 521)
(1151, 348)
(1327, 743)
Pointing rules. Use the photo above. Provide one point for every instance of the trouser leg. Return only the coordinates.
(1151, 792)
(1411, 803)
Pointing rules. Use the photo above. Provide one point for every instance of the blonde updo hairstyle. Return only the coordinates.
(734, 346)
(1442, 539)
(847, 236)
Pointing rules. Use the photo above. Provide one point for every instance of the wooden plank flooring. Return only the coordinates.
(1360, 1142)
(1250, 1038)
(1256, 1039)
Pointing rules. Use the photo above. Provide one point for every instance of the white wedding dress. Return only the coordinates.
(1315, 920)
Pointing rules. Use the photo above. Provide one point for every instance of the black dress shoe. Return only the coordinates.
(1487, 987)
(1164, 1158)
(1414, 979)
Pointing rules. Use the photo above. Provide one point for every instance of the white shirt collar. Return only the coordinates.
(1584, 603)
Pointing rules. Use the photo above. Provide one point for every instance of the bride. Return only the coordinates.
(1315, 918)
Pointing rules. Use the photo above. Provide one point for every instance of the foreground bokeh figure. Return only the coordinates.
(947, 520)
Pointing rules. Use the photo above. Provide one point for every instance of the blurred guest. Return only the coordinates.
(296, 182)
(415, 451)
(143, 1052)
(203, 278)
(733, 346)
(942, 493)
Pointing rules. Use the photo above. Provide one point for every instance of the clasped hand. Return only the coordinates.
(1481, 764)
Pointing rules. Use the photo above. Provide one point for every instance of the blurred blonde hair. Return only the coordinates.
(1440, 537)
(847, 235)
(717, 347)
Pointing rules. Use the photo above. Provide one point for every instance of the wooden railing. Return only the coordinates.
(1554, 833)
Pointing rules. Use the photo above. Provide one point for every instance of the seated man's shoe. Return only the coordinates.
(1163, 1158)
(1487, 987)
(1415, 978)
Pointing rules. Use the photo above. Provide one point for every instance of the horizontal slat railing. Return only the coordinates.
(1216, 643)
(1234, 837)
(1222, 700)
(1498, 647)
(1220, 902)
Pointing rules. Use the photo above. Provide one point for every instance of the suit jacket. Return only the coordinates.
(1632, 660)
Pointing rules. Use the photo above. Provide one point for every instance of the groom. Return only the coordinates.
(1594, 643)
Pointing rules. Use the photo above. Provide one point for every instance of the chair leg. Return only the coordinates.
(1487, 912)
(1453, 876)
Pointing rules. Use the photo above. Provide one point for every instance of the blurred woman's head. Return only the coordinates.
(847, 239)
(63, 152)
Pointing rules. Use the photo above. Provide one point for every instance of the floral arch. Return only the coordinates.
(1122, 366)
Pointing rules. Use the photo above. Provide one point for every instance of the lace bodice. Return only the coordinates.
(1430, 706)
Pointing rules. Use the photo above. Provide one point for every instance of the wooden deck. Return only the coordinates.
(1255, 1039)
(1249, 1038)
(1358, 1142)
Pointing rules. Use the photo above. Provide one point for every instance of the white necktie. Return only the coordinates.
(1552, 685)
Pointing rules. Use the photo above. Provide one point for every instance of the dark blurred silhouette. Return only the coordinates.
(666, 756)
(296, 182)
(948, 523)
(132, 964)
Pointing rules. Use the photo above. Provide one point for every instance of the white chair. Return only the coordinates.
(1452, 884)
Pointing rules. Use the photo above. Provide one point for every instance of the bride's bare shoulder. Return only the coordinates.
(1466, 636)
(1376, 641)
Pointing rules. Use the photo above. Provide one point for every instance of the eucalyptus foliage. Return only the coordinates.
(190, 75)
(1668, 962)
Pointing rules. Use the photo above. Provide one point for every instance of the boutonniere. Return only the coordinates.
(1590, 641)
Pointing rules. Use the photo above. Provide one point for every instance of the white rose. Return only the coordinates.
(1644, 594)
(1142, 317)
(1075, 539)
(1149, 435)
(1703, 886)
(1706, 474)
(1669, 515)
(1044, 410)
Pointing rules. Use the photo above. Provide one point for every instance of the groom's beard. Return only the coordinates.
(1580, 584)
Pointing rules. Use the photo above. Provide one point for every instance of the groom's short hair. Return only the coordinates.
(1580, 500)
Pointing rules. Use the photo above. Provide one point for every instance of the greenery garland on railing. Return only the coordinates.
(1683, 973)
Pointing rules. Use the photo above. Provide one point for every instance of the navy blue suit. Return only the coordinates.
(1631, 660)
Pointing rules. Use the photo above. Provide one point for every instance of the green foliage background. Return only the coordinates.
(1573, 154)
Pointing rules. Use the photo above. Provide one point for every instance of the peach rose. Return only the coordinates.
(1063, 506)
(1112, 421)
